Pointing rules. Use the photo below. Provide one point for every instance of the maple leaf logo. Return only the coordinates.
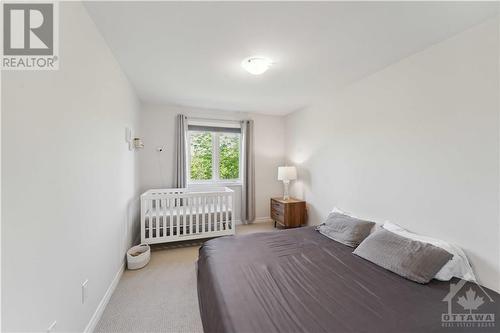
(470, 301)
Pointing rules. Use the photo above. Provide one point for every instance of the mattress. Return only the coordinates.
(300, 281)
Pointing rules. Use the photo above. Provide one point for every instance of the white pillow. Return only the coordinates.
(458, 265)
(338, 210)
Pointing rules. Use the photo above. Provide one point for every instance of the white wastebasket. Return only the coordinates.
(138, 256)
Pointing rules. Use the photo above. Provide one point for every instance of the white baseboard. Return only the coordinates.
(104, 301)
(262, 219)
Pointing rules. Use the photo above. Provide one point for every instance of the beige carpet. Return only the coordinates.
(162, 296)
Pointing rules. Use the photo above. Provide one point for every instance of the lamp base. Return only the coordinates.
(286, 195)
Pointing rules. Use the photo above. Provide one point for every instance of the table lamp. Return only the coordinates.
(286, 173)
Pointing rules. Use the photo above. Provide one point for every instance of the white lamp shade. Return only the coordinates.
(287, 173)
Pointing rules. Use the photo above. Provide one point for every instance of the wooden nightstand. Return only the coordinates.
(289, 213)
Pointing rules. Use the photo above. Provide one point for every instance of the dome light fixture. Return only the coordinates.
(256, 65)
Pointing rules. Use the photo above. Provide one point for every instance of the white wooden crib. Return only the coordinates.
(169, 215)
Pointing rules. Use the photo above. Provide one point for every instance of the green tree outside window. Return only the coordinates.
(202, 156)
(229, 156)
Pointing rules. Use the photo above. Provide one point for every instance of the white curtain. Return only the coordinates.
(180, 152)
(248, 190)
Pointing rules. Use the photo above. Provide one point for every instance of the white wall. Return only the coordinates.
(416, 143)
(69, 181)
(157, 129)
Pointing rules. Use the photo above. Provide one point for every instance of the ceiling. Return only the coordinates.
(189, 53)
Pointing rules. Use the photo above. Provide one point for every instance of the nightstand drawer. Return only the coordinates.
(277, 215)
(277, 206)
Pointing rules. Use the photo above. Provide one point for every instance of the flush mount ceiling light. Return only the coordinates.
(256, 65)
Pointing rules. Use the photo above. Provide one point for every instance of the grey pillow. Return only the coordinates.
(414, 260)
(345, 229)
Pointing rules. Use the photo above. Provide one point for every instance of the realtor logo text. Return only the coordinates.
(30, 38)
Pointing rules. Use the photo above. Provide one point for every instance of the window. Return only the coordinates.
(201, 155)
(214, 154)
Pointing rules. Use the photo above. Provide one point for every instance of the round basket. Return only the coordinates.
(138, 256)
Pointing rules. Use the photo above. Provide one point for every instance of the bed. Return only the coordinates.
(300, 281)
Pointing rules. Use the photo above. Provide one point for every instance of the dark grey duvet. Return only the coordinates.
(301, 281)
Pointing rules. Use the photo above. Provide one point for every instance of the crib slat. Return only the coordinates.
(214, 210)
(186, 218)
(222, 227)
(158, 217)
(198, 215)
(214, 203)
(219, 212)
(227, 212)
(230, 222)
(224, 213)
(203, 206)
(170, 229)
(215, 214)
(178, 217)
(194, 214)
(192, 224)
(206, 213)
(176, 220)
(210, 217)
(190, 216)
(184, 214)
(165, 218)
(185, 207)
(150, 219)
(162, 218)
(224, 204)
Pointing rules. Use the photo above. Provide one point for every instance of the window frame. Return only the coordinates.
(216, 180)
